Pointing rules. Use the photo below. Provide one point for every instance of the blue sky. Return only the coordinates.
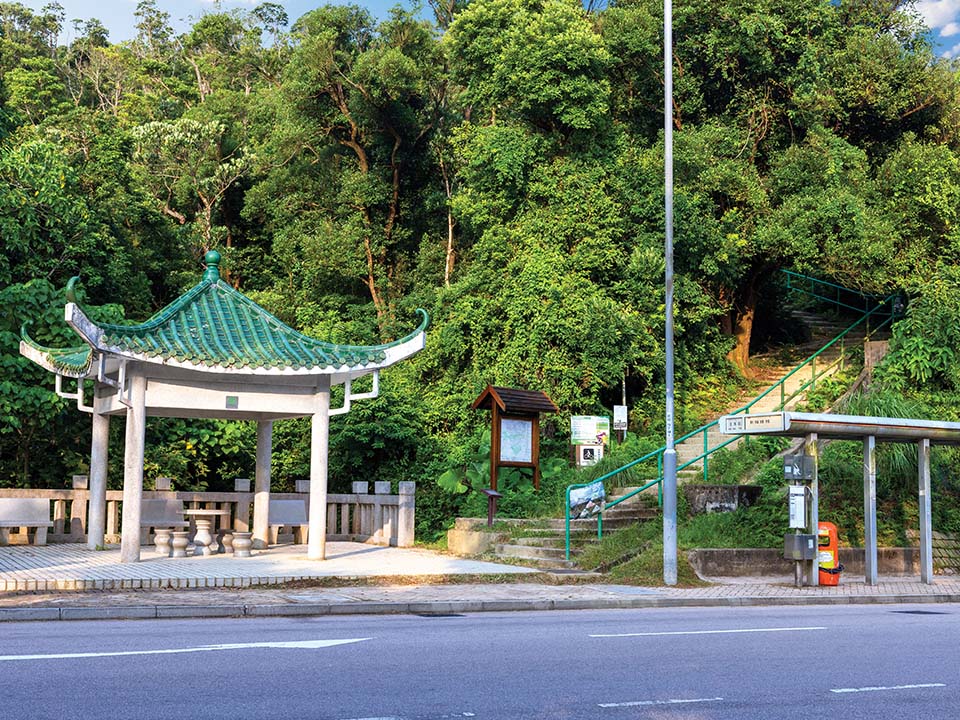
(942, 16)
(117, 15)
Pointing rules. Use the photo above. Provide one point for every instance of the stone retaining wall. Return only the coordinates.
(760, 562)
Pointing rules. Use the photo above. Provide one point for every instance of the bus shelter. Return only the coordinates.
(869, 430)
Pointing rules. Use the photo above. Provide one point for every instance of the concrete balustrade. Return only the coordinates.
(380, 518)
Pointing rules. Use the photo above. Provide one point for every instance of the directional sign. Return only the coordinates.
(292, 644)
(758, 423)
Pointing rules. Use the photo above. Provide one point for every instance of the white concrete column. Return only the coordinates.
(133, 467)
(926, 523)
(319, 449)
(99, 443)
(261, 498)
(870, 509)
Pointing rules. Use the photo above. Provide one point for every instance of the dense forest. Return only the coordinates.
(499, 165)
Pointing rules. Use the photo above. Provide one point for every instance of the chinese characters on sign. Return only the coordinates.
(589, 430)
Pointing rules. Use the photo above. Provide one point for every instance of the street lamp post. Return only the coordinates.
(670, 453)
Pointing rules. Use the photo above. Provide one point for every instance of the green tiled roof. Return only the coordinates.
(213, 325)
(71, 361)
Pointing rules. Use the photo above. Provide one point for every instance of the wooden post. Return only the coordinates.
(494, 446)
(535, 455)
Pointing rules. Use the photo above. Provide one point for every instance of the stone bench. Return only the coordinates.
(289, 514)
(23, 514)
(161, 516)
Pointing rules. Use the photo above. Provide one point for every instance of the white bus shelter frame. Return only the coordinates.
(869, 430)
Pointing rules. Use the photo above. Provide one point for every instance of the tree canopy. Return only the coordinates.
(501, 166)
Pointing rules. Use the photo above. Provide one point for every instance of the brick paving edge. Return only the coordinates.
(142, 612)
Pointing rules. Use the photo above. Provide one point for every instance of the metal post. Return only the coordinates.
(870, 509)
(706, 450)
(926, 526)
(810, 448)
(670, 454)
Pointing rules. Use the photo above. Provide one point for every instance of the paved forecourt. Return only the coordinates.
(75, 567)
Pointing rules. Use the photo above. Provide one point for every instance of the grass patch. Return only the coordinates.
(634, 556)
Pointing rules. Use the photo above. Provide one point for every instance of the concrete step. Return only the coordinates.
(529, 552)
(553, 541)
(550, 557)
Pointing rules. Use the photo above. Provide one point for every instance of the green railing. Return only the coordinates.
(832, 293)
(810, 363)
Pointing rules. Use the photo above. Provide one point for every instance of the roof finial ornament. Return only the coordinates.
(212, 259)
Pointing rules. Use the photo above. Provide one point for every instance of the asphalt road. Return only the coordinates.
(874, 662)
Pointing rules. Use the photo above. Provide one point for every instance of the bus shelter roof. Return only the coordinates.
(841, 427)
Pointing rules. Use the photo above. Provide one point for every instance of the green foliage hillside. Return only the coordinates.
(500, 166)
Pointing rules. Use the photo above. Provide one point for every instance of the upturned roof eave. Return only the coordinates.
(45, 358)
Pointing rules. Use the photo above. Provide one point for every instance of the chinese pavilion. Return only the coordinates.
(212, 353)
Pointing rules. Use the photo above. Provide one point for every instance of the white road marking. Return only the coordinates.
(392, 717)
(708, 632)
(637, 703)
(294, 644)
(890, 687)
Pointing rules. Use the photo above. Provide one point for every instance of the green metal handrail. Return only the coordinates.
(784, 399)
(798, 283)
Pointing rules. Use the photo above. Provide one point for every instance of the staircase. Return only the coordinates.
(543, 542)
(822, 330)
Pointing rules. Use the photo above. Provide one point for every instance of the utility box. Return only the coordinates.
(799, 467)
(799, 547)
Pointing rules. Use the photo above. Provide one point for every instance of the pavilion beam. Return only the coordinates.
(133, 468)
(926, 524)
(99, 443)
(261, 498)
(319, 452)
(870, 509)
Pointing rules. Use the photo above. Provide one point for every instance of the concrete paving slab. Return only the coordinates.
(74, 567)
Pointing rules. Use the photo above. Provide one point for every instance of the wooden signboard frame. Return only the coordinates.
(519, 405)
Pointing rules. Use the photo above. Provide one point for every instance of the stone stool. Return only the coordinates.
(181, 538)
(242, 541)
(161, 540)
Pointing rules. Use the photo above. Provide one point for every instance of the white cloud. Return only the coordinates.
(939, 14)
(949, 29)
(952, 52)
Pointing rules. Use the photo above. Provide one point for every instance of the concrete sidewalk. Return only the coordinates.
(364, 579)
